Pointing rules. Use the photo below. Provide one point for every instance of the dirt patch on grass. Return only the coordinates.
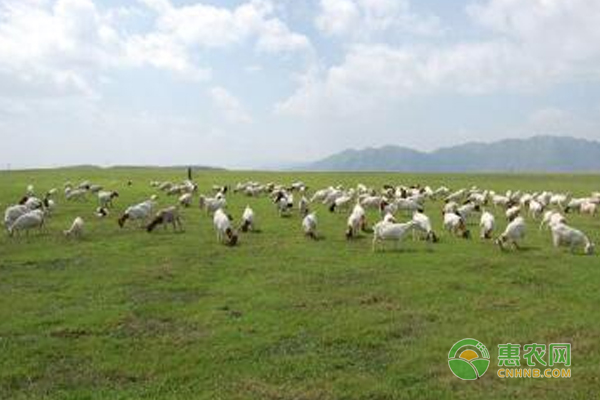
(176, 331)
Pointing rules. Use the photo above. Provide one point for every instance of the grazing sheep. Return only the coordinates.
(514, 232)
(105, 198)
(535, 209)
(467, 209)
(76, 229)
(303, 208)
(222, 224)
(500, 201)
(513, 212)
(13, 212)
(356, 222)
(487, 223)
(186, 199)
(340, 203)
(102, 212)
(32, 203)
(139, 212)
(309, 225)
(283, 203)
(551, 218)
(212, 204)
(589, 208)
(454, 223)
(563, 235)
(423, 224)
(247, 219)
(450, 207)
(456, 196)
(26, 222)
(95, 188)
(389, 231)
(373, 202)
(76, 194)
(169, 215)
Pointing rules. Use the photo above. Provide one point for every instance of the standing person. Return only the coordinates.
(189, 173)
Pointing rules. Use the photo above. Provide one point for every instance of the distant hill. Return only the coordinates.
(536, 154)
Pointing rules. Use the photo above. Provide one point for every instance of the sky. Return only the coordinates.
(262, 83)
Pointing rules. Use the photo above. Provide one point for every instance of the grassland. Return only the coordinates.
(123, 314)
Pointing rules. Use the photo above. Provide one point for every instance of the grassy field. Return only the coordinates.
(123, 314)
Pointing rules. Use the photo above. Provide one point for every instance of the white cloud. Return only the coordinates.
(534, 45)
(363, 19)
(229, 105)
(54, 47)
(62, 47)
(208, 26)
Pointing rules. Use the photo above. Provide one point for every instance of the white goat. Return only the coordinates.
(139, 212)
(105, 198)
(487, 223)
(222, 224)
(26, 222)
(309, 225)
(212, 204)
(423, 224)
(563, 235)
(455, 224)
(76, 229)
(514, 232)
(389, 231)
(247, 219)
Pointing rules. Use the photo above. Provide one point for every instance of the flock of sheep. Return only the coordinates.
(459, 209)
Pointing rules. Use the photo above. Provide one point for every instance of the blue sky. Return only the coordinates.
(253, 83)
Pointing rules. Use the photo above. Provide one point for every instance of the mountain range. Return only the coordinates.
(535, 154)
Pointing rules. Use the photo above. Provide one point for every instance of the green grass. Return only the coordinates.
(123, 314)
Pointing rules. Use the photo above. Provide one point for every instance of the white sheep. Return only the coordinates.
(105, 198)
(589, 208)
(26, 222)
(513, 212)
(551, 218)
(223, 228)
(303, 208)
(283, 202)
(468, 209)
(535, 209)
(389, 231)
(487, 223)
(455, 224)
(514, 232)
(186, 199)
(356, 222)
(76, 229)
(101, 212)
(563, 235)
(13, 212)
(212, 204)
(423, 224)
(373, 202)
(340, 203)
(139, 212)
(169, 215)
(247, 219)
(75, 194)
(309, 225)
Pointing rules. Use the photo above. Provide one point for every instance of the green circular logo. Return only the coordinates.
(468, 359)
